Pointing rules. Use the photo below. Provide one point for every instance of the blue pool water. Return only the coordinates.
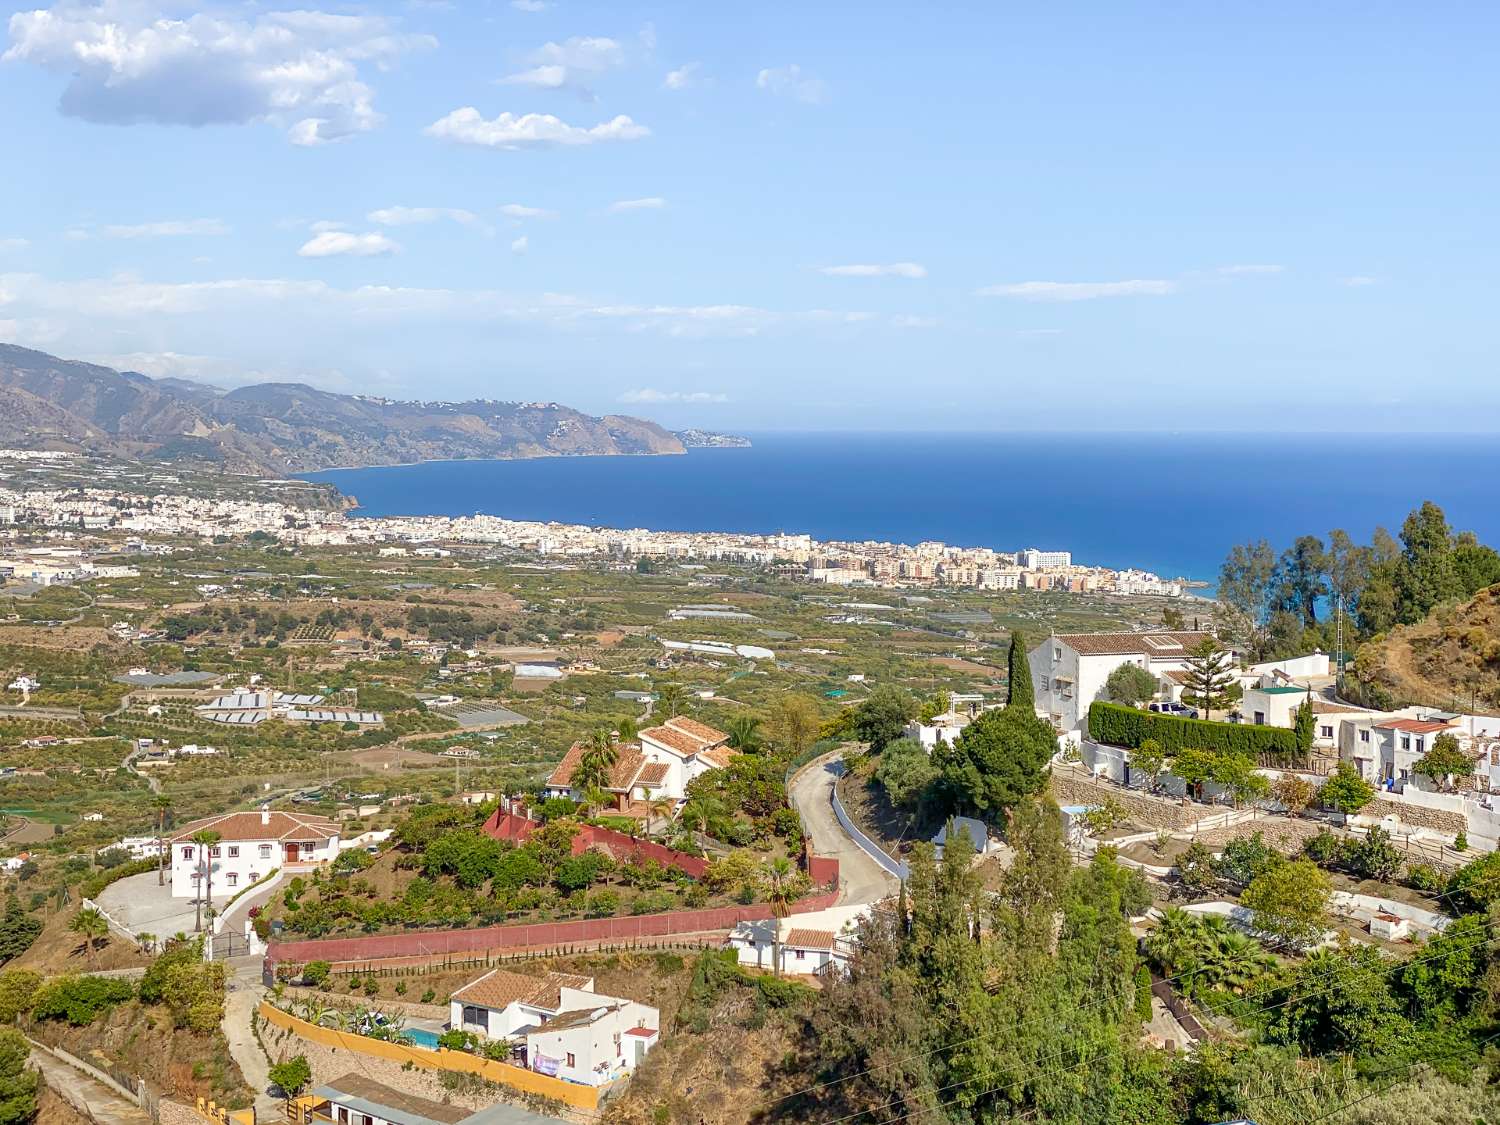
(421, 1037)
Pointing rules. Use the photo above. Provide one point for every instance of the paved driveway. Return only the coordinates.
(139, 904)
(861, 878)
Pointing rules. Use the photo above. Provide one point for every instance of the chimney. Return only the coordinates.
(265, 814)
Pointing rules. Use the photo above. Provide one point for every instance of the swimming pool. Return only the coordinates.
(421, 1037)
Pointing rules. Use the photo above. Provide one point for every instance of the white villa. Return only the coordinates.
(658, 766)
(251, 844)
(1069, 670)
(814, 943)
(569, 1030)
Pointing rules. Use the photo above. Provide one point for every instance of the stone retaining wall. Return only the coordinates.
(1284, 835)
(1153, 812)
(1418, 816)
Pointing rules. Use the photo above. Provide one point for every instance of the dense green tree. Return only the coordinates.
(1336, 1001)
(1021, 695)
(907, 773)
(1209, 672)
(18, 930)
(1289, 901)
(19, 1084)
(1374, 856)
(1345, 791)
(793, 722)
(744, 733)
(1475, 565)
(291, 1076)
(1444, 758)
(1475, 885)
(998, 760)
(1305, 723)
(882, 717)
(1130, 684)
(1246, 578)
(1427, 574)
(1299, 581)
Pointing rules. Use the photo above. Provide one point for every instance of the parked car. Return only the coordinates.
(1170, 708)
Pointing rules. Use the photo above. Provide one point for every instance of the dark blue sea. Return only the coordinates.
(1168, 503)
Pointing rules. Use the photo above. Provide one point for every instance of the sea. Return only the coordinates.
(1169, 503)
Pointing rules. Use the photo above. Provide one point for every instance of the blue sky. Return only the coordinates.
(960, 216)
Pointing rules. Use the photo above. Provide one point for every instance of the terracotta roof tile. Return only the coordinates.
(676, 741)
(653, 773)
(500, 988)
(621, 775)
(1413, 726)
(696, 729)
(809, 939)
(278, 825)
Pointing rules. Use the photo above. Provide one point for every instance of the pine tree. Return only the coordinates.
(1022, 695)
(1208, 677)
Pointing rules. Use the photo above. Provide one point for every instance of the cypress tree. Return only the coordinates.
(1021, 694)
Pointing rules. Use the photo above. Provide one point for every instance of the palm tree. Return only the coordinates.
(1238, 962)
(163, 804)
(61, 896)
(744, 733)
(205, 839)
(700, 813)
(600, 753)
(594, 799)
(781, 892)
(91, 924)
(657, 807)
(627, 729)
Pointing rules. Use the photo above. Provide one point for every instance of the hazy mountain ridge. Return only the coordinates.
(275, 428)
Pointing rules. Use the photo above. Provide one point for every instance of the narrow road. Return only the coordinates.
(90, 1097)
(240, 1003)
(861, 879)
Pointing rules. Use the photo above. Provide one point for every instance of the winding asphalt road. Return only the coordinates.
(861, 879)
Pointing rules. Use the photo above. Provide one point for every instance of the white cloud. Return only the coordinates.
(530, 5)
(335, 243)
(521, 211)
(170, 228)
(1243, 271)
(1079, 290)
(129, 62)
(530, 130)
(126, 312)
(407, 216)
(8, 245)
(323, 225)
(683, 78)
(520, 245)
(789, 81)
(910, 270)
(1359, 281)
(654, 397)
(569, 64)
(904, 320)
(650, 203)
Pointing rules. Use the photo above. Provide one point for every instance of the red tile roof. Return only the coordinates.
(809, 939)
(500, 988)
(278, 825)
(685, 736)
(1413, 726)
(621, 775)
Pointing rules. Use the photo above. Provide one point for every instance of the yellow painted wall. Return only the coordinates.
(582, 1097)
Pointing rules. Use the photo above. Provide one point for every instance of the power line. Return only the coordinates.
(1085, 1062)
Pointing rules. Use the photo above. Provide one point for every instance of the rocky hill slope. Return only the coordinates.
(276, 428)
(1450, 660)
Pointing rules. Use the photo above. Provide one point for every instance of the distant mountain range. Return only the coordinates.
(277, 428)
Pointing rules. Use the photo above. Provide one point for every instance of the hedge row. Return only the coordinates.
(1118, 725)
(94, 885)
